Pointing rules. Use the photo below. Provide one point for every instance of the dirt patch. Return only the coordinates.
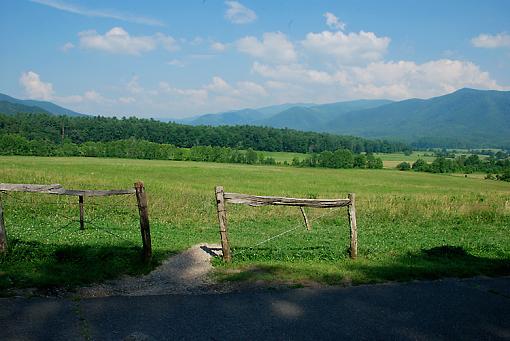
(184, 273)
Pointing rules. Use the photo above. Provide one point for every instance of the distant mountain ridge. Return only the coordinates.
(10, 108)
(10, 105)
(464, 118)
(300, 116)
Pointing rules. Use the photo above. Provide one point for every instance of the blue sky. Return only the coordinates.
(174, 59)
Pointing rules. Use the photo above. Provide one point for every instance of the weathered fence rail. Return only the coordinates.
(223, 197)
(57, 189)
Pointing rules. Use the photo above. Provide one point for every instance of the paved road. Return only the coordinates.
(476, 309)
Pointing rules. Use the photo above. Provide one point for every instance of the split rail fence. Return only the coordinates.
(56, 189)
(223, 197)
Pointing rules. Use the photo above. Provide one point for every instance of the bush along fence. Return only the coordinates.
(223, 197)
(57, 189)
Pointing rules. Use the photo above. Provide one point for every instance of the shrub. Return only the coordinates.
(404, 166)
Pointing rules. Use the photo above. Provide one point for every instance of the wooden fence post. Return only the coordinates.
(82, 213)
(307, 223)
(354, 229)
(222, 218)
(3, 234)
(141, 198)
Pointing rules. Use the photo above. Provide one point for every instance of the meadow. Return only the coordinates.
(390, 160)
(410, 225)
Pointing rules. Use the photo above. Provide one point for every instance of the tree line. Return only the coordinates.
(14, 144)
(499, 165)
(84, 129)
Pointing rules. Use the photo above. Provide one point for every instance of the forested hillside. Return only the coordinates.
(102, 129)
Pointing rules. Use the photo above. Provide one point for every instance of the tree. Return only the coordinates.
(404, 166)
(342, 158)
(421, 166)
(360, 161)
(251, 156)
(373, 162)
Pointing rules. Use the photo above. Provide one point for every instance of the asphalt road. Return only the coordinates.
(471, 309)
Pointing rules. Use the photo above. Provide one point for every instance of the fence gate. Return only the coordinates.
(223, 197)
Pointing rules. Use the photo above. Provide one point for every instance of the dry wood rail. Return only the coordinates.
(57, 189)
(223, 197)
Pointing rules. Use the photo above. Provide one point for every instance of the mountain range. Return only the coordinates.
(464, 118)
(10, 105)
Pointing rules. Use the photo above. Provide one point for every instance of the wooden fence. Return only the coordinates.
(253, 200)
(56, 189)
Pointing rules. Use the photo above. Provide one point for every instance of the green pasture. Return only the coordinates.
(283, 156)
(411, 225)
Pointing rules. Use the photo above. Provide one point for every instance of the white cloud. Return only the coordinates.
(333, 22)
(218, 84)
(90, 96)
(117, 40)
(217, 95)
(93, 96)
(394, 80)
(352, 48)
(252, 89)
(194, 97)
(276, 84)
(274, 47)
(168, 42)
(239, 14)
(292, 73)
(67, 46)
(406, 79)
(35, 87)
(71, 8)
(219, 47)
(176, 62)
(491, 41)
(40, 90)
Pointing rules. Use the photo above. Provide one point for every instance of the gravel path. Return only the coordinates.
(184, 273)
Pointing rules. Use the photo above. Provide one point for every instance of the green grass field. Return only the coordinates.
(391, 160)
(411, 225)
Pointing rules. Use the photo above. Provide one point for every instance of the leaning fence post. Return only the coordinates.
(305, 218)
(82, 213)
(222, 218)
(141, 198)
(3, 234)
(354, 229)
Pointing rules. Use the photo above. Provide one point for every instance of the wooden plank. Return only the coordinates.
(48, 189)
(3, 233)
(145, 230)
(222, 219)
(354, 229)
(59, 190)
(82, 213)
(305, 218)
(97, 193)
(254, 200)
